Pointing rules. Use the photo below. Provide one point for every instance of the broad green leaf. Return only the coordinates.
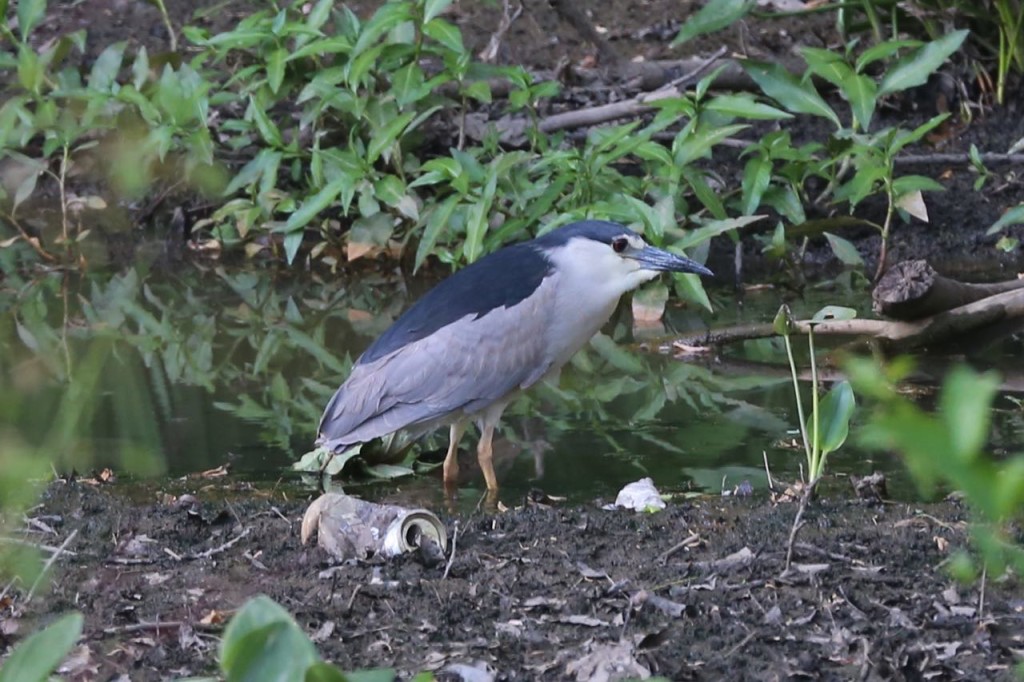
(444, 33)
(25, 189)
(105, 69)
(263, 642)
(409, 85)
(844, 250)
(862, 94)
(690, 287)
(385, 137)
(319, 15)
(835, 410)
(827, 64)
(696, 145)
(440, 214)
(434, 8)
(713, 229)
(783, 322)
(833, 313)
(292, 242)
(789, 91)
(964, 406)
(36, 657)
(140, 68)
(312, 206)
(902, 138)
(30, 12)
(915, 68)
(757, 174)
(715, 15)
(268, 129)
(697, 181)
(745, 106)
(30, 69)
(388, 16)
(1014, 216)
(275, 68)
(883, 51)
(915, 183)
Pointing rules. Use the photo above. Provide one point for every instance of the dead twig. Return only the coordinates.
(490, 53)
(217, 550)
(805, 500)
(49, 564)
(691, 540)
(451, 557)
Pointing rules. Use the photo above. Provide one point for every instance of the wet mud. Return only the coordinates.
(696, 592)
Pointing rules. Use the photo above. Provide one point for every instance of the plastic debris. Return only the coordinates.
(640, 496)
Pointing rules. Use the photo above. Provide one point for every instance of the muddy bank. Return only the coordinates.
(535, 593)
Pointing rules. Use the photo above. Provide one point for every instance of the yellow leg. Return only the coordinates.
(451, 460)
(484, 455)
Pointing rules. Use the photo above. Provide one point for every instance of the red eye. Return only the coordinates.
(619, 244)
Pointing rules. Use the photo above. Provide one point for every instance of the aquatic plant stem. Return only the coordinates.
(796, 394)
(814, 463)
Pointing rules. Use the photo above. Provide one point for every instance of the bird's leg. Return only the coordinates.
(451, 460)
(484, 455)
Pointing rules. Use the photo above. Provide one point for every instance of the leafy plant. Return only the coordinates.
(860, 163)
(947, 448)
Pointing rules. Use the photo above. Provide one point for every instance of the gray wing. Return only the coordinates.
(463, 367)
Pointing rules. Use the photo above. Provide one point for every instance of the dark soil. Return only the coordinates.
(694, 592)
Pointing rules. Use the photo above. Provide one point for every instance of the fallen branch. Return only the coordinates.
(627, 108)
(892, 334)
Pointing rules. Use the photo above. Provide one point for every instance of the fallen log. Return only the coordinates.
(912, 290)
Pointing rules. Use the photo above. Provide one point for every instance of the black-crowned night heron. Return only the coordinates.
(491, 330)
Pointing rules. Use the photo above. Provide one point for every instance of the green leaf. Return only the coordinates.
(263, 642)
(964, 407)
(386, 136)
(836, 408)
(30, 12)
(320, 13)
(140, 68)
(434, 8)
(292, 242)
(882, 51)
(792, 93)
(862, 94)
(714, 228)
(745, 106)
(1015, 216)
(757, 174)
(844, 250)
(275, 68)
(312, 206)
(440, 215)
(827, 64)
(915, 183)
(268, 130)
(37, 656)
(833, 313)
(915, 68)
(445, 33)
(409, 84)
(783, 322)
(105, 69)
(715, 15)
(689, 287)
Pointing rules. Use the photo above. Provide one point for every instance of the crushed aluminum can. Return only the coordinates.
(640, 496)
(350, 528)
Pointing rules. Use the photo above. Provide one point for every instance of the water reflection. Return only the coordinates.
(177, 372)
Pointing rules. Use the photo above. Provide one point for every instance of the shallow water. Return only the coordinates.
(170, 373)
